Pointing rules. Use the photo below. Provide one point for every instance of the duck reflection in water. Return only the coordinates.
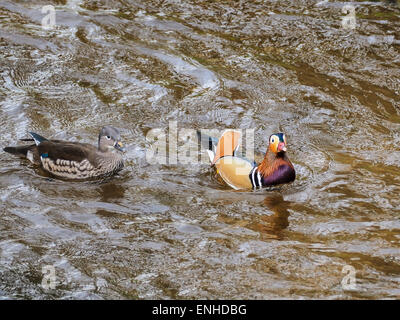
(268, 226)
(272, 226)
(110, 192)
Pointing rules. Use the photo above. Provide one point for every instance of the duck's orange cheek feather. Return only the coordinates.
(273, 147)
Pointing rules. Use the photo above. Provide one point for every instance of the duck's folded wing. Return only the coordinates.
(235, 171)
(64, 153)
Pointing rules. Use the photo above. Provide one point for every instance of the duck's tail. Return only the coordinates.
(27, 151)
(21, 151)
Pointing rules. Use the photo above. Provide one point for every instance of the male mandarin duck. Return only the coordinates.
(74, 160)
(241, 173)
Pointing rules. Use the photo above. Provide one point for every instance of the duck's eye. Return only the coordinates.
(108, 137)
(272, 139)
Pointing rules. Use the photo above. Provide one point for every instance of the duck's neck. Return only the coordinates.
(276, 169)
(270, 163)
(103, 149)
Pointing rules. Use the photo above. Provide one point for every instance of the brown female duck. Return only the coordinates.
(73, 160)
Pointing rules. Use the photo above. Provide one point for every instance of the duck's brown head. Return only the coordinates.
(109, 138)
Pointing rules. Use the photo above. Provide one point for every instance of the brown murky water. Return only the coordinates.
(170, 231)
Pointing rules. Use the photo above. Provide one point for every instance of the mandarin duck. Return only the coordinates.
(241, 173)
(74, 160)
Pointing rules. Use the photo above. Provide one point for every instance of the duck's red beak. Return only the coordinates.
(281, 147)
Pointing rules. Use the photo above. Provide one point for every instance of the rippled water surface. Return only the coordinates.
(171, 231)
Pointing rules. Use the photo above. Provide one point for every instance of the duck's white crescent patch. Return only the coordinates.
(211, 155)
(29, 156)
